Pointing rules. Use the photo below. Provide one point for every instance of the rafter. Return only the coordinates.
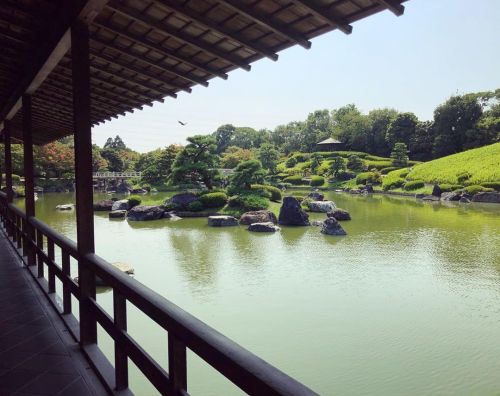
(265, 20)
(153, 23)
(394, 6)
(326, 15)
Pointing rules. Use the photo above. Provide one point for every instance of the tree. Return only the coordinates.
(249, 138)
(247, 173)
(351, 127)
(55, 159)
(196, 162)
(355, 163)
(156, 166)
(288, 137)
(269, 157)
(316, 159)
(318, 127)
(401, 129)
(421, 142)
(399, 155)
(115, 162)
(116, 143)
(235, 155)
(337, 166)
(98, 162)
(380, 120)
(223, 137)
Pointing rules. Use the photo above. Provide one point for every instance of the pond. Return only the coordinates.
(407, 303)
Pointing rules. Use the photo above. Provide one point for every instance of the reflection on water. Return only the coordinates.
(407, 303)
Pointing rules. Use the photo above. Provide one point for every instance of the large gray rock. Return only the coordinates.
(258, 216)
(451, 196)
(321, 206)
(431, 198)
(122, 204)
(144, 213)
(316, 196)
(317, 223)
(332, 227)
(117, 214)
(65, 207)
(292, 214)
(436, 190)
(368, 189)
(171, 216)
(222, 221)
(123, 187)
(263, 227)
(339, 214)
(182, 200)
(105, 205)
(487, 197)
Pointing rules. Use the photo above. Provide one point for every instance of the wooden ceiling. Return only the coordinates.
(143, 51)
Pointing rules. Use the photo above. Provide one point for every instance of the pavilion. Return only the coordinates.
(66, 66)
(330, 144)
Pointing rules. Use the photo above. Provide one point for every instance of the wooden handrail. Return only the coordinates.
(246, 370)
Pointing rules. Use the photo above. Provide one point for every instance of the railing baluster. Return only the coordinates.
(66, 290)
(177, 366)
(39, 245)
(19, 232)
(121, 359)
(51, 276)
(24, 242)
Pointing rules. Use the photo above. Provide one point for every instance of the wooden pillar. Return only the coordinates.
(29, 180)
(8, 160)
(83, 172)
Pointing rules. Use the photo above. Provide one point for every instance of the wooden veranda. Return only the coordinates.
(66, 66)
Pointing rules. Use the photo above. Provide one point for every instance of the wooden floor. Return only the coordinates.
(37, 355)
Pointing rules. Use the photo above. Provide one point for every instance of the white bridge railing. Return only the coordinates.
(116, 175)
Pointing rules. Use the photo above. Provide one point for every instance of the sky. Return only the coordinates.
(411, 63)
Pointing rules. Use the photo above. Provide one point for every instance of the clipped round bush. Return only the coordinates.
(213, 200)
(134, 200)
(385, 171)
(291, 162)
(274, 191)
(393, 184)
(493, 185)
(195, 206)
(248, 202)
(413, 185)
(463, 177)
(300, 157)
(16, 178)
(317, 181)
(450, 187)
(368, 178)
(474, 189)
(345, 176)
(295, 179)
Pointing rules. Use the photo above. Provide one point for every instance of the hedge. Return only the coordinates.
(134, 200)
(248, 202)
(213, 200)
(295, 179)
(393, 184)
(317, 181)
(413, 185)
(195, 206)
(493, 185)
(368, 178)
(274, 191)
(450, 187)
(385, 171)
(474, 189)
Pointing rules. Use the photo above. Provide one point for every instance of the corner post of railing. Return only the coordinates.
(29, 180)
(83, 177)
(121, 359)
(177, 366)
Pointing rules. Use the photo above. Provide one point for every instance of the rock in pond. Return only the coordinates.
(123, 187)
(171, 216)
(451, 196)
(368, 189)
(332, 227)
(258, 216)
(431, 198)
(487, 197)
(182, 200)
(339, 214)
(65, 207)
(145, 213)
(464, 200)
(122, 204)
(105, 205)
(263, 227)
(436, 190)
(222, 221)
(316, 196)
(292, 214)
(117, 214)
(321, 206)
(317, 223)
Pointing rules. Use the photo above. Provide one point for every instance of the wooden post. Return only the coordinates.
(29, 182)
(83, 172)
(8, 172)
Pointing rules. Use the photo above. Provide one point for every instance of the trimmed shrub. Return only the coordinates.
(16, 179)
(385, 171)
(248, 202)
(392, 184)
(300, 157)
(274, 191)
(291, 162)
(413, 185)
(134, 200)
(378, 164)
(368, 178)
(295, 179)
(213, 190)
(213, 200)
(317, 181)
(343, 176)
(195, 206)
(450, 187)
(474, 189)
(493, 185)
(463, 177)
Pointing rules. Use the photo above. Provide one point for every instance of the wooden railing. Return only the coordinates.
(33, 238)
(116, 175)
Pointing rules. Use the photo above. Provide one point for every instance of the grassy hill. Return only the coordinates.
(480, 165)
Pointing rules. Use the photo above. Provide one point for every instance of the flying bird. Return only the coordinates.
(182, 123)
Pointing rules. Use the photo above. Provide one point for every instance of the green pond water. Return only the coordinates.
(408, 303)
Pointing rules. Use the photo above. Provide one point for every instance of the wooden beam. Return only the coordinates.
(210, 25)
(152, 23)
(162, 50)
(396, 8)
(52, 47)
(265, 20)
(80, 56)
(326, 15)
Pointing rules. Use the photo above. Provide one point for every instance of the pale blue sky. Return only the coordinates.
(411, 63)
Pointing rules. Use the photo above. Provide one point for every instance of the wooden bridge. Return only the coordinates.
(116, 175)
(67, 66)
